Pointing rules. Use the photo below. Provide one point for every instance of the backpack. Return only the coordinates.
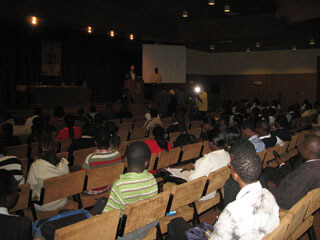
(45, 228)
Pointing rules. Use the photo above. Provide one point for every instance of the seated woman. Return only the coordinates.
(160, 142)
(47, 166)
(71, 131)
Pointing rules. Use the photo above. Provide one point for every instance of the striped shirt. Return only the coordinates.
(130, 188)
(13, 165)
(101, 158)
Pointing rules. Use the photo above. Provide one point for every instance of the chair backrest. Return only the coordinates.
(23, 138)
(125, 126)
(269, 156)
(137, 133)
(103, 176)
(126, 120)
(206, 148)
(103, 226)
(139, 124)
(196, 124)
(24, 164)
(123, 134)
(283, 148)
(146, 211)
(63, 186)
(262, 154)
(122, 148)
(64, 144)
(280, 231)
(24, 196)
(81, 155)
(191, 151)
(293, 142)
(173, 136)
(217, 179)
(169, 158)
(314, 204)
(195, 131)
(34, 149)
(152, 161)
(63, 155)
(187, 193)
(300, 138)
(20, 151)
(298, 212)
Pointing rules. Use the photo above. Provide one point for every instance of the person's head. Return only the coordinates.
(223, 122)
(217, 139)
(88, 130)
(156, 70)
(153, 113)
(48, 149)
(103, 138)
(113, 132)
(281, 121)
(209, 123)
(272, 112)
(308, 106)
(93, 109)
(132, 68)
(37, 124)
(245, 165)
(233, 135)
(46, 118)
(9, 189)
(7, 129)
(80, 111)
(310, 148)
(158, 133)
(138, 156)
(69, 119)
(263, 127)
(248, 129)
(58, 112)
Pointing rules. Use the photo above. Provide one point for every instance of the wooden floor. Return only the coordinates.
(211, 215)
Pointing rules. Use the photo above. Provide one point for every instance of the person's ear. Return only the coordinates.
(146, 163)
(234, 175)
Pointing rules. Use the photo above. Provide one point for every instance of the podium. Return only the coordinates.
(136, 89)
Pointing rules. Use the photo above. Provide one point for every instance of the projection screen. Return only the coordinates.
(169, 59)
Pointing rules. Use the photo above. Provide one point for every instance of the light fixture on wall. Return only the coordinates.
(34, 20)
(227, 8)
(312, 41)
(131, 36)
(211, 47)
(211, 2)
(112, 33)
(294, 48)
(89, 29)
(258, 44)
(185, 14)
(248, 50)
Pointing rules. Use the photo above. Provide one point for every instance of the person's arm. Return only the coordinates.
(224, 228)
(115, 200)
(201, 169)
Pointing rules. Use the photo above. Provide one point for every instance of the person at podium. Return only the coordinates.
(131, 75)
(156, 78)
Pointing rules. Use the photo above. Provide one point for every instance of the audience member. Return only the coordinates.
(305, 178)
(47, 126)
(7, 131)
(10, 163)
(248, 132)
(48, 165)
(282, 132)
(307, 110)
(85, 141)
(263, 130)
(153, 121)
(254, 213)
(70, 131)
(271, 113)
(37, 131)
(57, 120)
(233, 135)
(208, 124)
(103, 156)
(11, 226)
(36, 113)
(93, 112)
(160, 142)
(81, 118)
(135, 185)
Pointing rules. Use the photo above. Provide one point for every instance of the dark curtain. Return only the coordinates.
(99, 61)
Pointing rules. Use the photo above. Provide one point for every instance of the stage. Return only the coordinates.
(49, 96)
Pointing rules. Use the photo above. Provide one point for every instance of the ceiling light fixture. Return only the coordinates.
(131, 36)
(89, 29)
(227, 8)
(211, 47)
(211, 2)
(312, 41)
(258, 44)
(185, 14)
(34, 20)
(112, 34)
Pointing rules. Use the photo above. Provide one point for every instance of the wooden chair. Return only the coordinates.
(206, 148)
(270, 156)
(280, 231)
(195, 124)
(122, 148)
(262, 154)
(216, 179)
(126, 120)
(34, 150)
(141, 213)
(307, 224)
(283, 148)
(125, 126)
(173, 137)
(139, 124)
(100, 227)
(81, 155)
(123, 134)
(24, 198)
(195, 131)
(152, 161)
(298, 212)
(137, 133)
(63, 155)
(300, 138)
(191, 151)
(184, 194)
(293, 142)
(20, 151)
(97, 178)
(64, 144)
(57, 188)
(23, 138)
(169, 158)
(25, 167)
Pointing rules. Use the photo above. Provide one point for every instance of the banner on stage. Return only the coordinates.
(51, 58)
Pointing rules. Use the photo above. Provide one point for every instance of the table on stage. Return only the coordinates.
(48, 96)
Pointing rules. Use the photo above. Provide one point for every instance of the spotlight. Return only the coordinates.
(89, 29)
(211, 2)
(34, 20)
(227, 8)
(185, 14)
(197, 89)
(131, 36)
(112, 34)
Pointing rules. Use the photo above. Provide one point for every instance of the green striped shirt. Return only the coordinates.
(130, 188)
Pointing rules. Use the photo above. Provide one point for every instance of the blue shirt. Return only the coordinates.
(257, 143)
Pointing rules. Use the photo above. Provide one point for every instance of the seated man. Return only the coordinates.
(154, 120)
(263, 129)
(302, 180)
(248, 131)
(137, 184)
(11, 226)
(254, 213)
(281, 131)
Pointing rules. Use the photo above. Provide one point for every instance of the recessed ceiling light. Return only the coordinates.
(90, 29)
(211, 2)
(112, 33)
(211, 47)
(312, 41)
(294, 48)
(248, 50)
(131, 36)
(34, 20)
(258, 44)
(184, 14)
(227, 8)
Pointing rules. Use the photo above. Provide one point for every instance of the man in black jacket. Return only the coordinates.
(11, 226)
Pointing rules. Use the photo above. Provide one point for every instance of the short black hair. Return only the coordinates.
(7, 129)
(102, 137)
(233, 135)
(281, 120)
(264, 125)
(6, 183)
(137, 154)
(248, 124)
(154, 113)
(88, 129)
(246, 163)
(217, 137)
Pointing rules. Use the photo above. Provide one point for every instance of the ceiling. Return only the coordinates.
(276, 24)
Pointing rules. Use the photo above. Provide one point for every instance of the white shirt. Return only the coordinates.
(4, 211)
(207, 164)
(253, 215)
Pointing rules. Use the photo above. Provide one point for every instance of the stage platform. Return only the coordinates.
(49, 96)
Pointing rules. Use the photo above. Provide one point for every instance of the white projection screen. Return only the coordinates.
(169, 59)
